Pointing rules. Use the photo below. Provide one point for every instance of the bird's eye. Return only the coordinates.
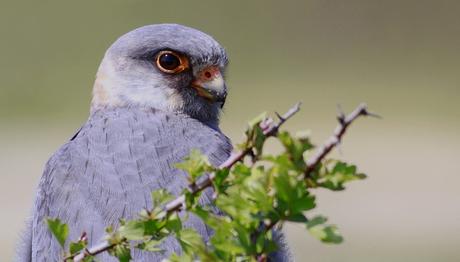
(171, 62)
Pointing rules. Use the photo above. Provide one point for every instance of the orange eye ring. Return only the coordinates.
(171, 62)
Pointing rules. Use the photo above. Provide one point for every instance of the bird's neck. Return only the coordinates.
(104, 91)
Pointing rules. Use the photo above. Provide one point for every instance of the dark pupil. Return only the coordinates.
(169, 61)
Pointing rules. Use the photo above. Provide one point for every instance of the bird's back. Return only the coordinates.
(110, 168)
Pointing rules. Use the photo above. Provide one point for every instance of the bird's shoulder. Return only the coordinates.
(119, 143)
(108, 170)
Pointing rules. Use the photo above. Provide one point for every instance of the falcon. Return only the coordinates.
(158, 94)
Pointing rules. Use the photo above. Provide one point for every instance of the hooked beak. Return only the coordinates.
(210, 84)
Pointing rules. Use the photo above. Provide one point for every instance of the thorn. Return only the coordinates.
(371, 114)
(282, 119)
(297, 105)
(83, 237)
(340, 114)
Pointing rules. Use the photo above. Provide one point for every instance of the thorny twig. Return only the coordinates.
(325, 149)
(269, 129)
(336, 138)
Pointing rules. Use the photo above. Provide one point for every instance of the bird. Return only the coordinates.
(158, 94)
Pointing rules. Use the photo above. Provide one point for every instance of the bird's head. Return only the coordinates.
(167, 67)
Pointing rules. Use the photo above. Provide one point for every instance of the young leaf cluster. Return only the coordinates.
(254, 198)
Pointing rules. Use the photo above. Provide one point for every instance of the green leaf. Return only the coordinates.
(281, 164)
(256, 188)
(220, 182)
(223, 240)
(334, 178)
(190, 241)
(90, 259)
(191, 200)
(258, 138)
(254, 135)
(132, 230)
(237, 208)
(139, 229)
(244, 238)
(214, 221)
(239, 172)
(292, 194)
(303, 203)
(176, 258)
(265, 243)
(59, 230)
(316, 221)
(174, 223)
(75, 247)
(323, 232)
(122, 252)
(239, 169)
(161, 197)
(196, 164)
(193, 245)
(260, 243)
(297, 217)
(152, 226)
(151, 245)
(295, 148)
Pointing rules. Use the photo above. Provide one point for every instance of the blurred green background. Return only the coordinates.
(402, 57)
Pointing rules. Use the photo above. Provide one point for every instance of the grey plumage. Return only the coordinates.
(108, 171)
(142, 122)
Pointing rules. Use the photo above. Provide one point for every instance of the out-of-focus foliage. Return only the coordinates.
(255, 197)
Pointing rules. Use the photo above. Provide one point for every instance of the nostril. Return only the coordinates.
(207, 74)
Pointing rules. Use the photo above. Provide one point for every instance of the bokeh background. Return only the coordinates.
(402, 57)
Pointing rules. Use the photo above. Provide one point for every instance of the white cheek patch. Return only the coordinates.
(104, 90)
(159, 97)
(113, 88)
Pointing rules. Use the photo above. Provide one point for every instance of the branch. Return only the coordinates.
(336, 138)
(269, 129)
(324, 150)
